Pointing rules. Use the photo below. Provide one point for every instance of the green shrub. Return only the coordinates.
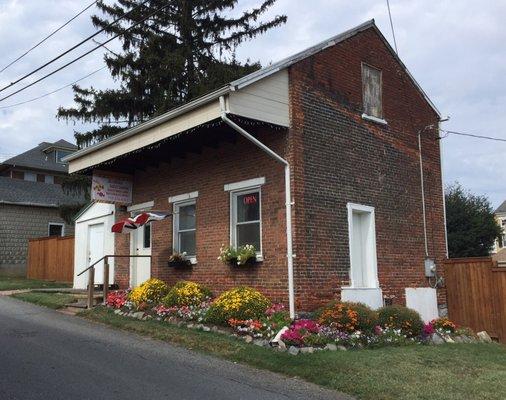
(240, 303)
(348, 317)
(185, 293)
(399, 317)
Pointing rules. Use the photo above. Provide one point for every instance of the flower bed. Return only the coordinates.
(246, 313)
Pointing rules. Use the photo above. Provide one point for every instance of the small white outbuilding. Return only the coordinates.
(93, 240)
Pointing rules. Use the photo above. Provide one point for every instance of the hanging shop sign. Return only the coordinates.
(112, 188)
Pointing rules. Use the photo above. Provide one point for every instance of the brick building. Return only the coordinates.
(343, 119)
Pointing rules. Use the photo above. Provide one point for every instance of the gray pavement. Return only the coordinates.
(45, 354)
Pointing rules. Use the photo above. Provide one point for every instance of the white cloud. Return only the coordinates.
(455, 49)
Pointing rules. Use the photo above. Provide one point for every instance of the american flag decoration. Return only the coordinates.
(131, 224)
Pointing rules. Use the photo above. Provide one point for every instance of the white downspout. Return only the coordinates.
(288, 200)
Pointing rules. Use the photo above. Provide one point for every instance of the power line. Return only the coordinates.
(392, 26)
(83, 55)
(52, 92)
(48, 36)
(73, 47)
(472, 135)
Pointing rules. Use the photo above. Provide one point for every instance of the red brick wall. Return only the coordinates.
(336, 158)
(342, 158)
(207, 173)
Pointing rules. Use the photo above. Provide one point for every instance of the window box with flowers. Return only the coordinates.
(179, 260)
(242, 256)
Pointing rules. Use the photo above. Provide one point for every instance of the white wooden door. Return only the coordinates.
(141, 245)
(96, 250)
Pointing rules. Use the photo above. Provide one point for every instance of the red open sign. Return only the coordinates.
(251, 199)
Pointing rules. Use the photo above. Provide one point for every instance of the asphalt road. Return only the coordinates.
(48, 355)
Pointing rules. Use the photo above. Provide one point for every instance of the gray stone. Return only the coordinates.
(190, 326)
(248, 339)
(437, 339)
(293, 350)
(118, 311)
(281, 345)
(342, 348)
(261, 342)
(331, 347)
(206, 329)
(307, 350)
(138, 315)
(484, 337)
(448, 339)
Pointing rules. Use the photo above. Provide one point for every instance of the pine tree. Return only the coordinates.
(181, 52)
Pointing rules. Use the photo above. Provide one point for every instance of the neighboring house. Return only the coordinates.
(30, 197)
(500, 245)
(345, 115)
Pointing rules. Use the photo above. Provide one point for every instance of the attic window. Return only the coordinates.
(60, 154)
(372, 92)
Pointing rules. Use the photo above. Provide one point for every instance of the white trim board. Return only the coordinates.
(141, 206)
(183, 197)
(247, 184)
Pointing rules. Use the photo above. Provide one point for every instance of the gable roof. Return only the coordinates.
(501, 208)
(38, 159)
(249, 80)
(18, 191)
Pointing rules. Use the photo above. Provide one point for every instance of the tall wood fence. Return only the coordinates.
(476, 295)
(51, 259)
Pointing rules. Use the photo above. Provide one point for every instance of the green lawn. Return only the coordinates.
(51, 300)
(456, 371)
(14, 283)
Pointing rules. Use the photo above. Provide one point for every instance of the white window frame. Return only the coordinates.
(56, 224)
(175, 226)
(234, 194)
(373, 281)
(236, 189)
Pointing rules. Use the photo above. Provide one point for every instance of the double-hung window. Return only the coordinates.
(246, 221)
(185, 228)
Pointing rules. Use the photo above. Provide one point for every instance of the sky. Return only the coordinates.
(454, 49)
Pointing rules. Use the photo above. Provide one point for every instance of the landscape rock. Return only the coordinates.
(484, 337)
(448, 339)
(342, 348)
(437, 339)
(293, 350)
(261, 342)
(138, 315)
(190, 326)
(275, 341)
(331, 347)
(206, 329)
(281, 345)
(118, 311)
(307, 350)
(248, 339)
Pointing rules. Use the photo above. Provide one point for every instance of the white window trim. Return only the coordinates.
(233, 215)
(368, 209)
(141, 206)
(183, 197)
(58, 224)
(175, 222)
(374, 119)
(247, 184)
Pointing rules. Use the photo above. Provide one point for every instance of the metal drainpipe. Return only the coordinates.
(288, 200)
(423, 192)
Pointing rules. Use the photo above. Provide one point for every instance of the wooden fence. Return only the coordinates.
(51, 259)
(476, 295)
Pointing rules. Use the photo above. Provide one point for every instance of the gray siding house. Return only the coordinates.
(30, 197)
